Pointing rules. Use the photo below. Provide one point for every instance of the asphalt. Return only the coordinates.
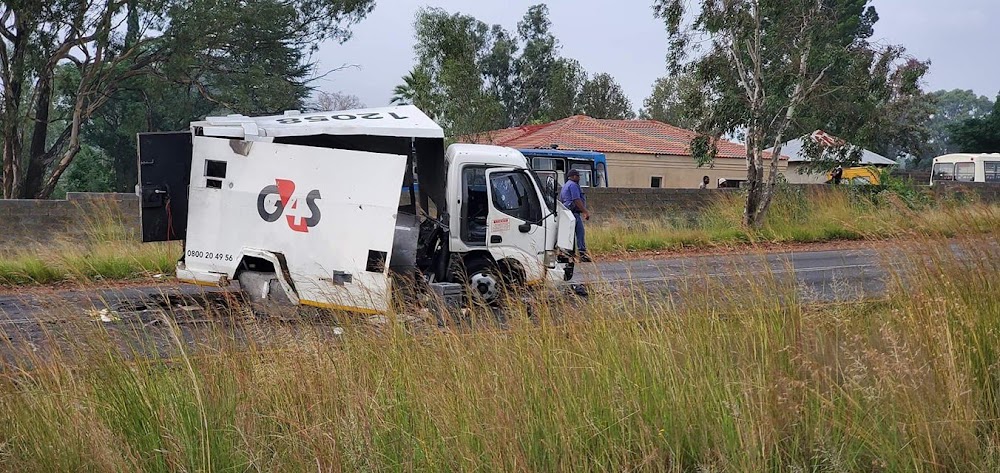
(817, 275)
(830, 275)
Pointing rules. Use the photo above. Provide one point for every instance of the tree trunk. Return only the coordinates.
(50, 184)
(755, 178)
(13, 83)
(37, 162)
(68, 155)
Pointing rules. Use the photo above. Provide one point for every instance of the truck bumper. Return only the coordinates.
(561, 272)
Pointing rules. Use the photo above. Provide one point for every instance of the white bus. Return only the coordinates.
(964, 167)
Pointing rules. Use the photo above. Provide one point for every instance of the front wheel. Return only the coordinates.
(484, 280)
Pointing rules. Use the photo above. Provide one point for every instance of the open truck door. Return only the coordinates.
(164, 174)
(516, 229)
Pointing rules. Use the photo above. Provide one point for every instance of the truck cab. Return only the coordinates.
(306, 208)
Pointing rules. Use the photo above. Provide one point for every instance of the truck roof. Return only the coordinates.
(485, 153)
(959, 157)
(404, 121)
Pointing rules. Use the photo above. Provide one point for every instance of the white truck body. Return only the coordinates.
(315, 199)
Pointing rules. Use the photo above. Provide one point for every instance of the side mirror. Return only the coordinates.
(524, 227)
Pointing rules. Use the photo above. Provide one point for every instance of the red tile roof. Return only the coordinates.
(581, 132)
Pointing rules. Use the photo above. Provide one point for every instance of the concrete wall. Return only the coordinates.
(612, 204)
(635, 171)
(626, 204)
(83, 214)
(984, 192)
(79, 216)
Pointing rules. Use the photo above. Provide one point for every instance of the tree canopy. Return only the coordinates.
(602, 97)
(978, 134)
(475, 77)
(773, 70)
(674, 100)
(950, 107)
(68, 66)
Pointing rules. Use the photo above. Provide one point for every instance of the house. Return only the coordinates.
(797, 161)
(640, 153)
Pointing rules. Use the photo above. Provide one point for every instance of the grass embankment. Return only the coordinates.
(86, 262)
(110, 252)
(800, 215)
(731, 380)
(105, 250)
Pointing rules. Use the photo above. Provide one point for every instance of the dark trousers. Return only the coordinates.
(581, 240)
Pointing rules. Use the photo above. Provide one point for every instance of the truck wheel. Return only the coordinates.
(484, 280)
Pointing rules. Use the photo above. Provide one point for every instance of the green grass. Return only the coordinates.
(799, 216)
(87, 262)
(729, 379)
(110, 252)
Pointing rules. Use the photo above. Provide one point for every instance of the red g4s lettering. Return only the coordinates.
(284, 189)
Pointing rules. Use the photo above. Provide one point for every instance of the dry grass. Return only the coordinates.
(800, 216)
(108, 250)
(725, 377)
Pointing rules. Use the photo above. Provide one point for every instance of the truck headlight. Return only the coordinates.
(551, 258)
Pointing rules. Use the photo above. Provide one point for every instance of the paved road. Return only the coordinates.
(818, 275)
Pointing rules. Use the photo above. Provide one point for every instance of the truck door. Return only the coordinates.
(515, 222)
(164, 175)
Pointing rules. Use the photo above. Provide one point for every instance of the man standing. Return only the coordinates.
(572, 197)
(837, 175)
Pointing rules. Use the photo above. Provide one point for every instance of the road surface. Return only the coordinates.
(818, 275)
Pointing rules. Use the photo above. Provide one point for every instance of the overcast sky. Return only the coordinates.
(623, 38)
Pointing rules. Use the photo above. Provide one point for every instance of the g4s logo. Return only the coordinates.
(271, 208)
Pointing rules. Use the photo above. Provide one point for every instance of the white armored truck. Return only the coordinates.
(322, 208)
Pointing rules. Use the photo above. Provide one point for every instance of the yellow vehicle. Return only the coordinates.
(859, 175)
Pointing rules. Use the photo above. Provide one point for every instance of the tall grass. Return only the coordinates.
(737, 375)
(800, 215)
(70, 261)
(105, 249)
(110, 250)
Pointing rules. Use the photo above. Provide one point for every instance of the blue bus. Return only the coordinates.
(554, 163)
(593, 166)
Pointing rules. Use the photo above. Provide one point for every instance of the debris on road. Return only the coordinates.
(105, 315)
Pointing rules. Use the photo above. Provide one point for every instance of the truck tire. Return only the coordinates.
(484, 280)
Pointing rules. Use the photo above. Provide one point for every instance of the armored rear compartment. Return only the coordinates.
(308, 204)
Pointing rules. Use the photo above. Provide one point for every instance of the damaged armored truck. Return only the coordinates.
(323, 208)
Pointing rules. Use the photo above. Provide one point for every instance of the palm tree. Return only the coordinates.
(403, 93)
(416, 89)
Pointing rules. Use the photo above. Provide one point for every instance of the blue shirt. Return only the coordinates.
(569, 193)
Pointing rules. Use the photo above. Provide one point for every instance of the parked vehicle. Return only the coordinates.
(307, 207)
(552, 165)
(593, 166)
(963, 167)
(858, 175)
